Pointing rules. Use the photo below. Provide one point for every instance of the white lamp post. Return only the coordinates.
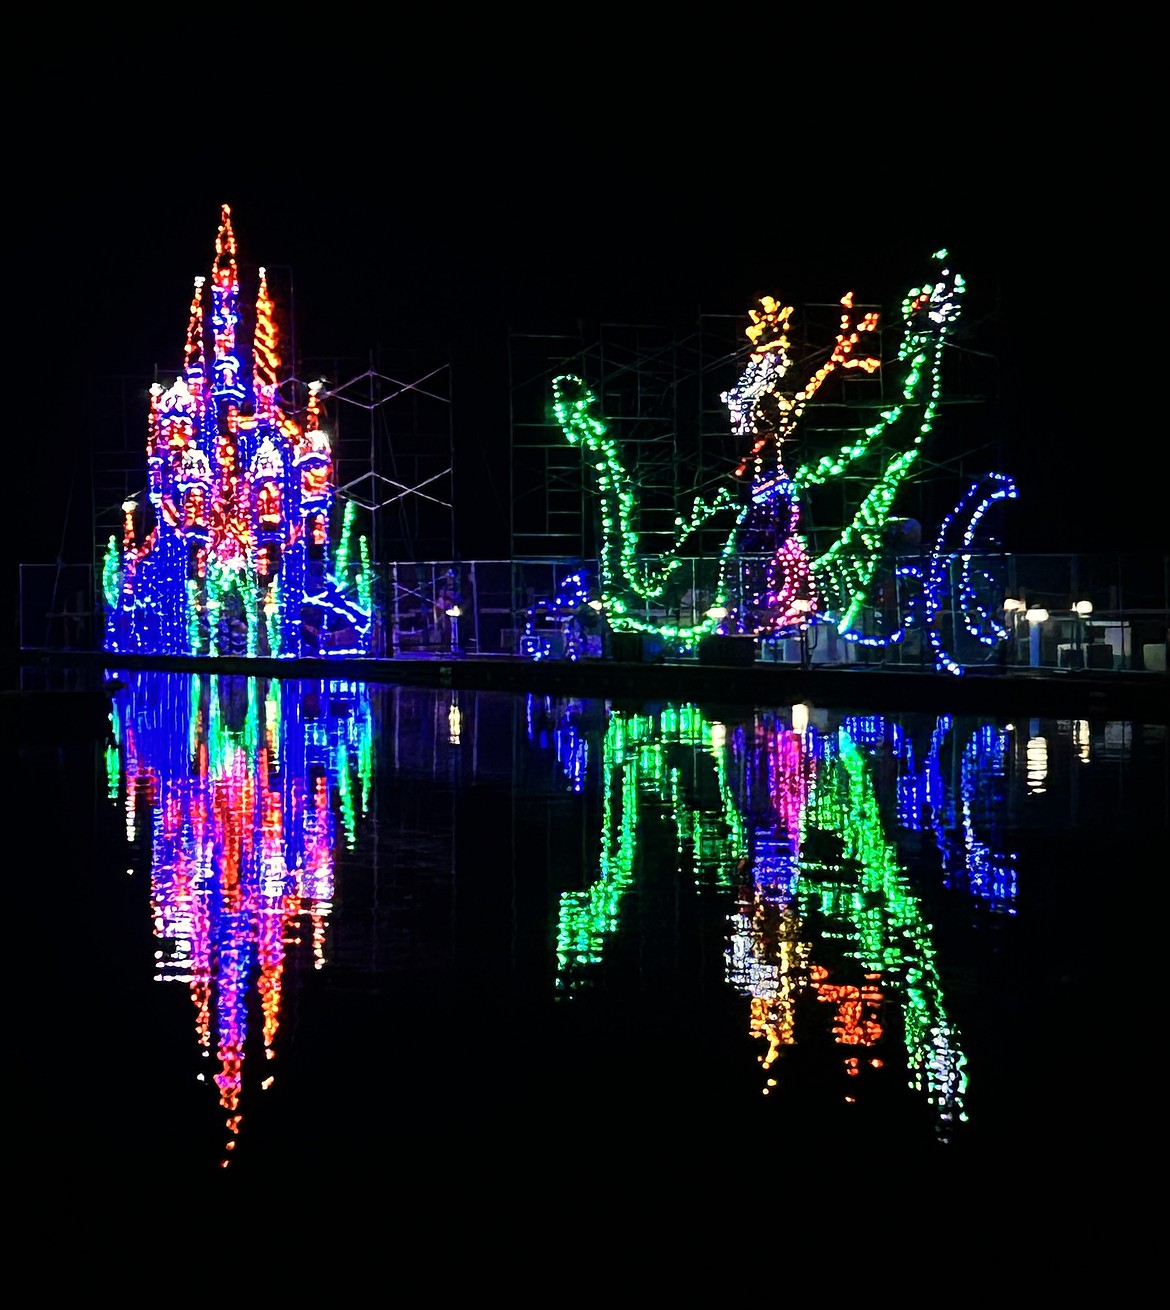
(1012, 609)
(1082, 609)
(1035, 617)
(453, 614)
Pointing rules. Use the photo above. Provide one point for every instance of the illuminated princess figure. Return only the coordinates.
(781, 592)
(234, 552)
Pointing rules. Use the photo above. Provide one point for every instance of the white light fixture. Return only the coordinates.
(1083, 607)
(1037, 615)
(716, 612)
(1012, 606)
(454, 612)
(129, 506)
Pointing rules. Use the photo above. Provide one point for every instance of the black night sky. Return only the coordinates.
(446, 223)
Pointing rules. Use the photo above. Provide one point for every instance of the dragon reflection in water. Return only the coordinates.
(769, 582)
(791, 824)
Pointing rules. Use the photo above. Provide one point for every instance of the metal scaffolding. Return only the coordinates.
(660, 392)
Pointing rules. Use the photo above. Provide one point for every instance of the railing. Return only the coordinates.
(1070, 611)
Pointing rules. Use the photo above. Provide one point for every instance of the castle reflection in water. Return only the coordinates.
(807, 909)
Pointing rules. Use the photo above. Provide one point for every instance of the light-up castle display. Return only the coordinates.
(236, 552)
(771, 582)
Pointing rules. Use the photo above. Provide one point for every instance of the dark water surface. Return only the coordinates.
(304, 934)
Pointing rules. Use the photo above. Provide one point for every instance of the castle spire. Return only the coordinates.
(265, 359)
(225, 292)
(194, 355)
